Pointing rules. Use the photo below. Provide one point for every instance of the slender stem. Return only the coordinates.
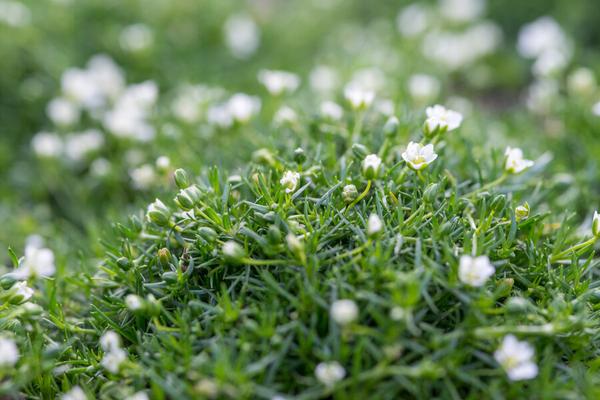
(490, 185)
(574, 248)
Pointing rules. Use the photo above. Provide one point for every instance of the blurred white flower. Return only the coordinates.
(439, 117)
(23, 291)
(285, 116)
(113, 359)
(136, 37)
(78, 145)
(542, 95)
(462, 10)
(143, 177)
(371, 166)
(344, 311)
(542, 35)
(129, 115)
(9, 353)
(475, 271)
(232, 249)
(358, 97)
(37, 262)
(134, 302)
(219, 115)
(418, 156)
(331, 110)
(62, 112)
(138, 396)
(76, 393)
(516, 359)
(290, 181)
(242, 107)
(163, 163)
(324, 79)
(278, 82)
(385, 107)
(329, 373)
(413, 20)
(582, 82)
(242, 35)
(46, 144)
(109, 341)
(522, 211)
(14, 13)
(515, 163)
(550, 63)
(423, 88)
(374, 225)
(100, 167)
(596, 109)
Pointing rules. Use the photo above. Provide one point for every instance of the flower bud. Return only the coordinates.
(164, 257)
(522, 212)
(299, 155)
(371, 166)
(207, 234)
(187, 198)
(374, 225)
(232, 251)
(181, 178)
(360, 151)
(158, 213)
(430, 192)
(134, 303)
(124, 263)
(349, 193)
(274, 235)
(295, 245)
(596, 224)
(263, 156)
(391, 126)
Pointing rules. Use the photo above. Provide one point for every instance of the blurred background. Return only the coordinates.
(101, 99)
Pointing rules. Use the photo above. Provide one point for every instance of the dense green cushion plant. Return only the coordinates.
(233, 288)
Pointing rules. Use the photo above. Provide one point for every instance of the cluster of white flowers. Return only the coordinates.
(240, 108)
(278, 82)
(114, 355)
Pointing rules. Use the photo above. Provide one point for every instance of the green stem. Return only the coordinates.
(574, 248)
(487, 186)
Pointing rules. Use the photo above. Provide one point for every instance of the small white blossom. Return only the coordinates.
(23, 291)
(279, 82)
(515, 163)
(331, 110)
(136, 37)
(329, 373)
(371, 166)
(163, 163)
(109, 341)
(475, 271)
(439, 117)
(323, 79)
(9, 353)
(358, 97)
(582, 82)
(374, 225)
(462, 10)
(143, 177)
(418, 156)
(46, 144)
(242, 107)
(14, 13)
(76, 393)
(37, 262)
(233, 250)
(62, 112)
(79, 145)
(516, 359)
(285, 115)
(134, 302)
(242, 35)
(413, 20)
(522, 211)
(113, 359)
(542, 35)
(290, 181)
(344, 311)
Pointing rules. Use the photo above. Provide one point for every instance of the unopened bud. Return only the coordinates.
(349, 193)
(181, 178)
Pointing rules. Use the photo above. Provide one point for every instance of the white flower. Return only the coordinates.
(163, 163)
(242, 35)
(542, 35)
(581, 82)
(344, 311)
(522, 211)
(423, 88)
(371, 166)
(62, 112)
(331, 110)
(418, 156)
(358, 97)
(329, 373)
(110, 341)
(37, 262)
(78, 145)
(242, 107)
(475, 271)
(290, 181)
(113, 359)
(21, 289)
(323, 79)
(516, 359)
(439, 117)
(134, 302)
(76, 393)
(462, 10)
(374, 225)
(285, 115)
(596, 224)
(14, 13)
(413, 20)
(9, 353)
(515, 163)
(46, 144)
(136, 37)
(142, 177)
(278, 82)
(233, 250)
(138, 396)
